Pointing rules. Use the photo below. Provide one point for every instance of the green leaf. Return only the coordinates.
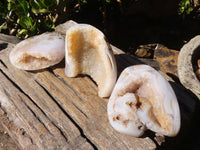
(49, 25)
(185, 7)
(187, 3)
(29, 27)
(42, 6)
(26, 22)
(84, 1)
(46, 4)
(43, 10)
(22, 8)
(23, 31)
(9, 6)
(108, 1)
(180, 11)
(35, 7)
(53, 26)
(3, 26)
(189, 10)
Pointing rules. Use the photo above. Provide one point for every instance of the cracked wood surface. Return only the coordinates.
(47, 110)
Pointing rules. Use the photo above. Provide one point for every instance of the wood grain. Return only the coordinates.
(47, 110)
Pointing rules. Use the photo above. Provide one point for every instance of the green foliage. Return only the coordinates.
(3, 15)
(189, 8)
(42, 6)
(185, 7)
(26, 18)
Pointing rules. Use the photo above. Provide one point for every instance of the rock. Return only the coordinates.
(9, 39)
(167, 58)
(145, 51)
(187, 64)
(62, 28)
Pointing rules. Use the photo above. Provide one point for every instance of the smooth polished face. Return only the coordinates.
(38, 52)
(143, 99)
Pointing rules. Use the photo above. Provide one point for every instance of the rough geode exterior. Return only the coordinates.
(187, 59)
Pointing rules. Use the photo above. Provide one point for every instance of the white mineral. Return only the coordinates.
(87, 52)
(143, 99)
(38, 52)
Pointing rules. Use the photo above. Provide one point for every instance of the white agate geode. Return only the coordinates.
(87, 52)
(143, 99)
(38, 52)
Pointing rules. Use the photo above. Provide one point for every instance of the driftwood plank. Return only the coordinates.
(47, 110)
(186, 99)
(39, 131)
(48, 126)
(59, 112)
(94, 122)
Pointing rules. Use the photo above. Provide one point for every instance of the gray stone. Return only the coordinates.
(62, 28)
(187, 60)
(9, 39)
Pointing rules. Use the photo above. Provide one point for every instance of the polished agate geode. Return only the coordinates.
(143, 99)
(38, 52)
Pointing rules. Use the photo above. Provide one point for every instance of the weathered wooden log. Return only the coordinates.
(56, 112)
(47, 110)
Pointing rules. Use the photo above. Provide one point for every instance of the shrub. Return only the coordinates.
(189, 8)
(26, 18)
